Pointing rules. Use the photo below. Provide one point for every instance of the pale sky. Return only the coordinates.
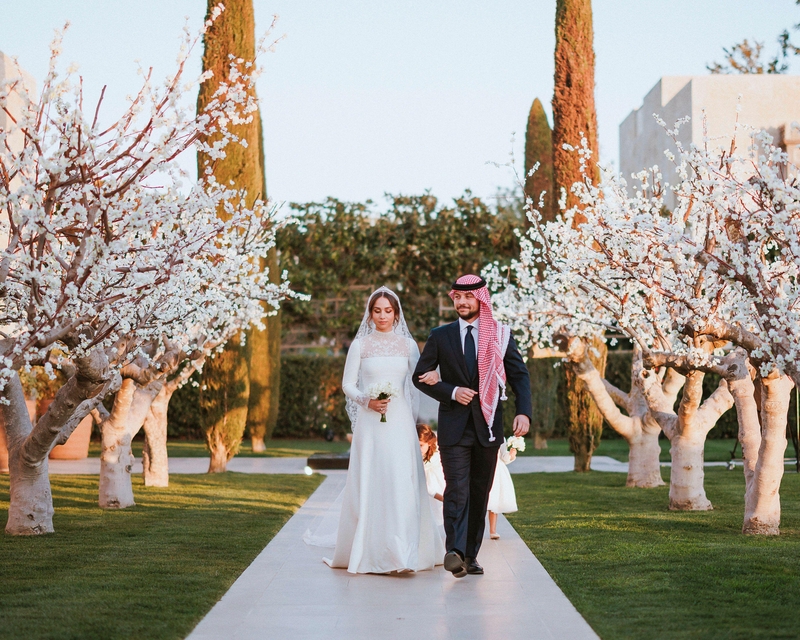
(364, 98)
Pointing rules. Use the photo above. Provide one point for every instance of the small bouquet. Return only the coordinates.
(516, 442)
(383, 391)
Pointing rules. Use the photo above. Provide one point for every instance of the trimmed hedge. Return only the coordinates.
(312, 399)
(183, 417)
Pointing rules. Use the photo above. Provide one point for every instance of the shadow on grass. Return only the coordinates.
(151, 571)
(279, 448)
(636, 570)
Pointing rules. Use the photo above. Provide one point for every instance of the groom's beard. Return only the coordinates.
(467, 314)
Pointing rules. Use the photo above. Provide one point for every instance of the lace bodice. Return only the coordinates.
(378, 358)
(384, 345)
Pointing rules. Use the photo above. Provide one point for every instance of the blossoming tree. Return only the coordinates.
(707, 287)
(110, 258)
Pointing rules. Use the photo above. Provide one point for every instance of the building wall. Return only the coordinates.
(9, 72)
(770, 102)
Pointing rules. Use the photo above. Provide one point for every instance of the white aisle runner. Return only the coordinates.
(288, 593)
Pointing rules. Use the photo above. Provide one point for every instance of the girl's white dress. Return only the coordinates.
(386, 522)
(502, 498)
(434, 479)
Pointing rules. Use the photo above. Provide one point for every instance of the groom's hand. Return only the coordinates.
(521, 425)
(464, 396)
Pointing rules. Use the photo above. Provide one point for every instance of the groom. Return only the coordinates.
(476, 356)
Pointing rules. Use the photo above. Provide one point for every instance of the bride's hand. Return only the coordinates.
(431, 377)
(379, 406)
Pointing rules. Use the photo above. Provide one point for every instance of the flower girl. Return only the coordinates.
(434, 475)
(502, 498)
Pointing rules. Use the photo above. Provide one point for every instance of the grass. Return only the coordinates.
(275, 448)
(150, 571)
(716, 450)
(637, 571)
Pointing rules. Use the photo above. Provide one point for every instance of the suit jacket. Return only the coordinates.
(443, 349)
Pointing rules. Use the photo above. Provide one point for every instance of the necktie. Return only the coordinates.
(469, 352)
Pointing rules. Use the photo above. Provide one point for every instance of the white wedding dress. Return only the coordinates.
(386, 522)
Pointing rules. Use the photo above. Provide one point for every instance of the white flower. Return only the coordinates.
(383, 391)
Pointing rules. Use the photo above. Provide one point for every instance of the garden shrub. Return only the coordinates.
(311, 397)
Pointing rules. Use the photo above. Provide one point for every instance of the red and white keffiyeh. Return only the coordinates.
(493, 340)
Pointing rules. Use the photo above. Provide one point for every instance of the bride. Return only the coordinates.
(386, 522)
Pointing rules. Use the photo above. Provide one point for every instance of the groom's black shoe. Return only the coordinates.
(454, 563)
(473, 568)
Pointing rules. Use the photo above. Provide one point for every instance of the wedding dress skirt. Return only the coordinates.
(385, 523)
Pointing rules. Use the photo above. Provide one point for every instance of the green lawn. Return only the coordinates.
(716, 450)
(275, 448)
(151, 571)
(638, 571)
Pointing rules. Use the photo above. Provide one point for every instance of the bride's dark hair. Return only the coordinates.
(392, 301)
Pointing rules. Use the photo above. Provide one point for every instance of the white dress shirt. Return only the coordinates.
(462, 325)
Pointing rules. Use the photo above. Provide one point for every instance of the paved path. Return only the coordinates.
(288, 593)
(523, 464)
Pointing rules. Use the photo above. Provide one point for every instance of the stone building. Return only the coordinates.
(770, 102)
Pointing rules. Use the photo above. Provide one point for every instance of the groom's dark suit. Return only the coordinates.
(468, 457)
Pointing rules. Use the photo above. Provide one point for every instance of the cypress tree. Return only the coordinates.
(573, 94)
(264, 354)
(539, 148)
(225, 387)
(573, 115)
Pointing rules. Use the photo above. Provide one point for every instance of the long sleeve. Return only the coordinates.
(350, 379)
(428, 361)
(504, 454)
(413, 358)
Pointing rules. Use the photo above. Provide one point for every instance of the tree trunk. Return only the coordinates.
(30, 510)
(130, 409)
(539, 441)
(155, 460)
(644, 464)
(31, 503)
(762, 498)
(223, 403)
(3, 449)
(742, 389)
(585, 420)
(638, 428)
(686, 490)
(687, 431)
(219, 456)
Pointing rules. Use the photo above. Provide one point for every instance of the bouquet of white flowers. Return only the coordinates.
(383, 391)
(516, 442)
